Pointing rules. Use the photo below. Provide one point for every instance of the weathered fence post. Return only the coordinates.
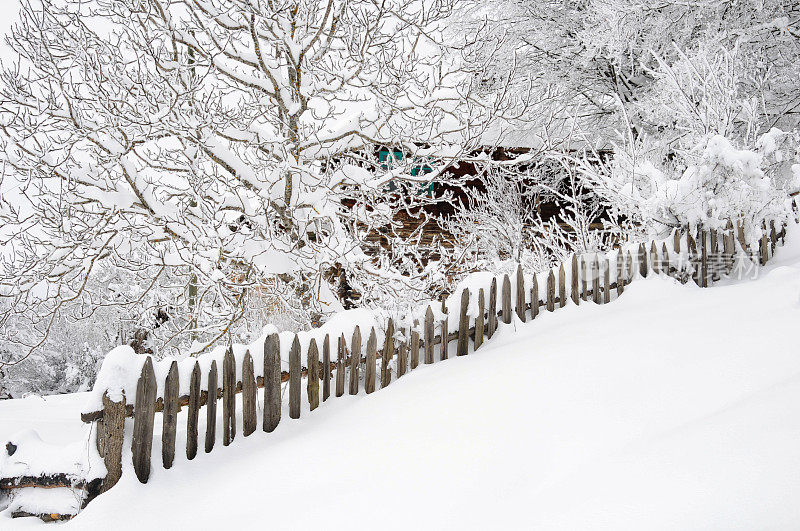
(340, 355)
(170, 416)
(534, 297)
(479, 320)
(491, 324)
(620, 272)
(402, 358)
(110, 437)
(249, 415)
(326, 367)
(676, 241)
(415, 345)
(551, 291)
(463, 321)
(520, 303)
(575, 291)
(606, 281)
(228, 397)
(664, 267)
(595, 280)
(704, 258)
(193, 412)
(312, 382)
(143, 416)
(428, 336)
(562, 286)
(294, 379)
(445, 333)
(584, 280)
(387, 354)
(369, 370)
(506, 299)
(764, 249)
(355, 360)
(211, 407)
(642, 261)
(654, 257)
(272, 382)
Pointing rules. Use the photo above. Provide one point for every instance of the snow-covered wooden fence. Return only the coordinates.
(701, 257)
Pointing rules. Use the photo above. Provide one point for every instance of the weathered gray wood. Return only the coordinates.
(387, 354)
(445, 340)
(144, 415)
(742, 241)
(575, 274)
(728, 248)
(463, 322)
(169, 423)
(704, 257)
(193, 412)
(520, 302)
(676, 241)
(326, 367)
(620, 272)
(629, 267)
(642, 260)
(693, 262)
(369, 371)
(340, 355)
(249, 415)
(551, 291)
(773, 236)
(562, 286)
(415, 345)
(584, 280)
(506, 299)
(294, 379)
(211, 407)
(228, 398)
(606, 281)
(355, 360)
(110, 439)
(665, 265)
(534, 297)
(596, 297)
(312, 380)
(654, 257)
(479, 320)
(428, 336)
(272, 382)
(402, 358)
(714, 254)
(764, 249)
(491, 323)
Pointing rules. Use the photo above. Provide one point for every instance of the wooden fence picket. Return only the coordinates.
(654, 257)
(562, 286)
(193, 412)
(294, 379)
(228, 397)
(170, 416)
(387, 355)
(584, 281)
(664, 266)
(369, 370)
(415, 346)
(551, 291)
(211, 407)
(692, 252)
(491, 324)
(606, 281)
(506, 299)
(249, 391)
(340, 355)
(479, 320)
(704, 258)
(629, 267)
(534, 297)
(595, 280)
(445, 333)
(764, 249)
(676, 241)
(620, 272)
(575, 291)
(520, 302)
(312, 381)
(326, 367)
(642, 261)
(144, 412)
(272, 382)
(402, 358)
(355, 360)
(428, 336)
(463, 323)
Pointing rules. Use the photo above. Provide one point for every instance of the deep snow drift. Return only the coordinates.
(673, 407)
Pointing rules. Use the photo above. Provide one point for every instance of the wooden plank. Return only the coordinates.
(355, 360)
(676, 241)
(110, 440)
(704, 257)
(428, 339)
(584, 280)
(402, 358)
(415, 345)
(170, 416)
(629, 267)
(326, 367)
(575, 292)
(773, 236)
(534, 297)
(654, 257)
(369, 370)
(144, 416)
(642, 260)
(606, 281)
(479, 320)
(728, 249)
(249, 415)
(463, 321)
(620, 272)
(272, 382)
(562, 286)
(520, 302)
(596, 297)
(445, 337)
(692, 251)
(211, 407)
(551, 291)
(340, 355)
(764, 249)
(294, 379)
(193, 412)
(228, 398)
(387, 354)
(506, 299)
(312, 380)
(665, 265)
(491, 323)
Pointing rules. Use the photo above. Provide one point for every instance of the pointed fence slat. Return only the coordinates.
(402, 358)
(445, 333)
(584, 280)
(415, 345)
(620, 272)
(654, 257)
(228, 398)
(294, 379)
(387, 355)
(606, 281)
(463, 322)
(479, 320)
(428, 336)
(692, 250)
(520, 303)
(764, 249)
(312, 380)
(534, 297)
(664, 266)
(491, 323)
(170, 416)
(355, 360)
(575, 274)
(704, 258)
(340, 355)
(193, 412)
(326, 368)
(596, 280)
(272, 382)
(642, 260)
(144, 415)
(562, 286)
(676, 241)
(551, 291)
(249, 415)
(506, 299)
(728, 249)
(211, 407)
(369, 371)
(629, 267)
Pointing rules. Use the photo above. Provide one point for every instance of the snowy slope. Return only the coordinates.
(673, 407)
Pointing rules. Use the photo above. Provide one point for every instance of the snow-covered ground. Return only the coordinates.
(672, 407)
